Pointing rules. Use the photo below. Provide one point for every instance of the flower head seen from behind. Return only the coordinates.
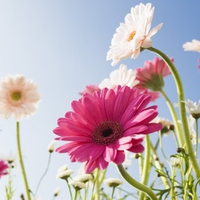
(113, 182)
(105, 124)
(121, 76)
(168, 126)
(194, 45)
(3, 168)
(151, 75)
(154, 95)
(133, 34)
(18, 97)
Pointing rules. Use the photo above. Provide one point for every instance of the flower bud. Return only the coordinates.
(51, 146)
(56, 192)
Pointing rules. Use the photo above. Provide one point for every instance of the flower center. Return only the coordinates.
(107, 133)
(16, 95)
(131, 36)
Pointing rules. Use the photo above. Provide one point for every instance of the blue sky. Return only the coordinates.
(62, 46)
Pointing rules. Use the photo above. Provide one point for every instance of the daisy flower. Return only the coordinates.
(168, 126)
(133, 34)
(192, 46)
(154, 95)
(193, 108)
(121, 76)
(152, 74)
(103, 125)
(191, 126)
(18, 97)
(3, 168)
(113, 182)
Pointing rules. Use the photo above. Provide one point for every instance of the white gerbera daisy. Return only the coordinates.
(18, 97)
(133, 34)
(192, 46)
(121, 76)
(193, 108)
(78, 185)
(113, 182)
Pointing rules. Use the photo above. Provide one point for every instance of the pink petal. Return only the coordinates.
(134, 130)
(136, 149)
(109, 153)
(120, 157)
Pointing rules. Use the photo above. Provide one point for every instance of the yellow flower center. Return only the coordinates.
(16, 95)
(131, 36)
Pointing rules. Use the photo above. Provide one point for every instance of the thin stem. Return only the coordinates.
(21, 162)
(141, 164)
(197, 135)
(136, 184)
(48, 164)
(146, 167)
(174, 117)
(76, 194)
(70, 191)
(160, 169)
(182, 109)
(113, 191)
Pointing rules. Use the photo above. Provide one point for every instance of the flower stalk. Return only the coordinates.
(146, 167)
(136, 184)
(180, 92)
(21, 161)
(174, 117)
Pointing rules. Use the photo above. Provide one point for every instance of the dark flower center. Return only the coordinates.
(16, 95)
(107, 133)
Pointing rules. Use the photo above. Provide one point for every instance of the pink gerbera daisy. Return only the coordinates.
(151, 75)
(104, 124)
(154, 95)
(3, 168)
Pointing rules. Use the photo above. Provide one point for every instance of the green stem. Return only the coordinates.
(21, 162)
(70, 191)
(113, 191)
(76, 194)
(136, 184)
(197, 135)
(160, 169)
(182, 109)
(48, 164)
(175, 118)
(146, 167)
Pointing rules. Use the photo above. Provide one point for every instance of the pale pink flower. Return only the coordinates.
(3, 168)
(105, 124)
(18, 97)
(151, 75)
(90, 89)
(133, 34)
(192, 46)
(154, 95)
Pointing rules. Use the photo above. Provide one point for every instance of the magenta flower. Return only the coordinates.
(105, 124)
(3, 168)
(151, 75)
